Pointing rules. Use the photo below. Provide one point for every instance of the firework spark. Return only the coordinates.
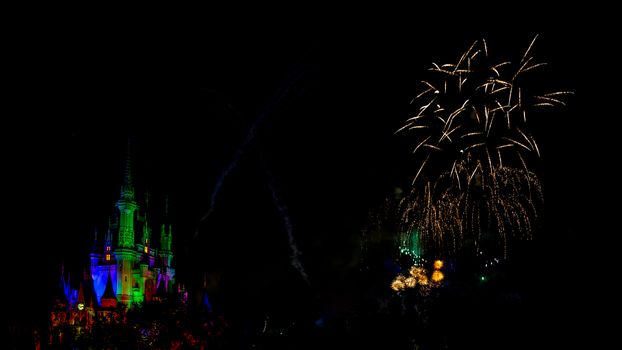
(472, 142)
(465, 201)
(482, 108)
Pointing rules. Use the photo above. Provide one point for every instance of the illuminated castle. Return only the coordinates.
(126, 264)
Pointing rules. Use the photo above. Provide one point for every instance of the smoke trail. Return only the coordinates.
(282, 208)
(283, 91)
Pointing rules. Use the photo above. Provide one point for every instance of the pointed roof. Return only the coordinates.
(86, 293)
(109, 299)
(81, 294)
(161, 291)
(108, 292)
(61, 291)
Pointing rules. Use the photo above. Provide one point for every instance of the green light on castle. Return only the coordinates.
(410, 244)
(134, 264)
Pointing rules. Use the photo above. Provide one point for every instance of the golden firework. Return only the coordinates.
(472, 144)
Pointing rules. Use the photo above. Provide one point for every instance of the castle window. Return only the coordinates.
(146, 249)
(125, 278)
(108, 248)
(107, 257)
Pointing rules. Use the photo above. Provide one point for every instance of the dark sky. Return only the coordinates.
(188, 100)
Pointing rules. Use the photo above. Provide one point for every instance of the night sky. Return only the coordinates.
(324, 109)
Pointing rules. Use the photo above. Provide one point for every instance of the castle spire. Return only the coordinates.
(95, 241)
(127, 206)
(108, 237)
(165, 254)
(81, 298)
(146, 230)
(166, 238)
(62, 293)
(127, 189)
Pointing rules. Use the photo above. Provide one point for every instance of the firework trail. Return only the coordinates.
(283, 211)
(283, 91)
(473, 143)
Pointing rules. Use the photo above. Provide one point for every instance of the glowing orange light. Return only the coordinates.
(107, 257)
(438, 264)
(417, 271)
(410, 282)
(146, 249)
(397, 285)
(437, 276)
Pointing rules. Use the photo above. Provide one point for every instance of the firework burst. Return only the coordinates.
(418, 278)
(472, 146)
(502, 201)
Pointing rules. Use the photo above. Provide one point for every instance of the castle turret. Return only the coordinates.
(146, 238)
(62, 291)
(127, 207)
(103, 263)
(125, 253)
(166, 253)
(95, 253)
(166, 256)
(108, 244)
(166, 239)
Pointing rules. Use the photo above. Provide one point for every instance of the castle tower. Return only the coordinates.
(125, 253)
(166, 253)
(127, 207)
(103, 262)
(128, 266)
(127, 263)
